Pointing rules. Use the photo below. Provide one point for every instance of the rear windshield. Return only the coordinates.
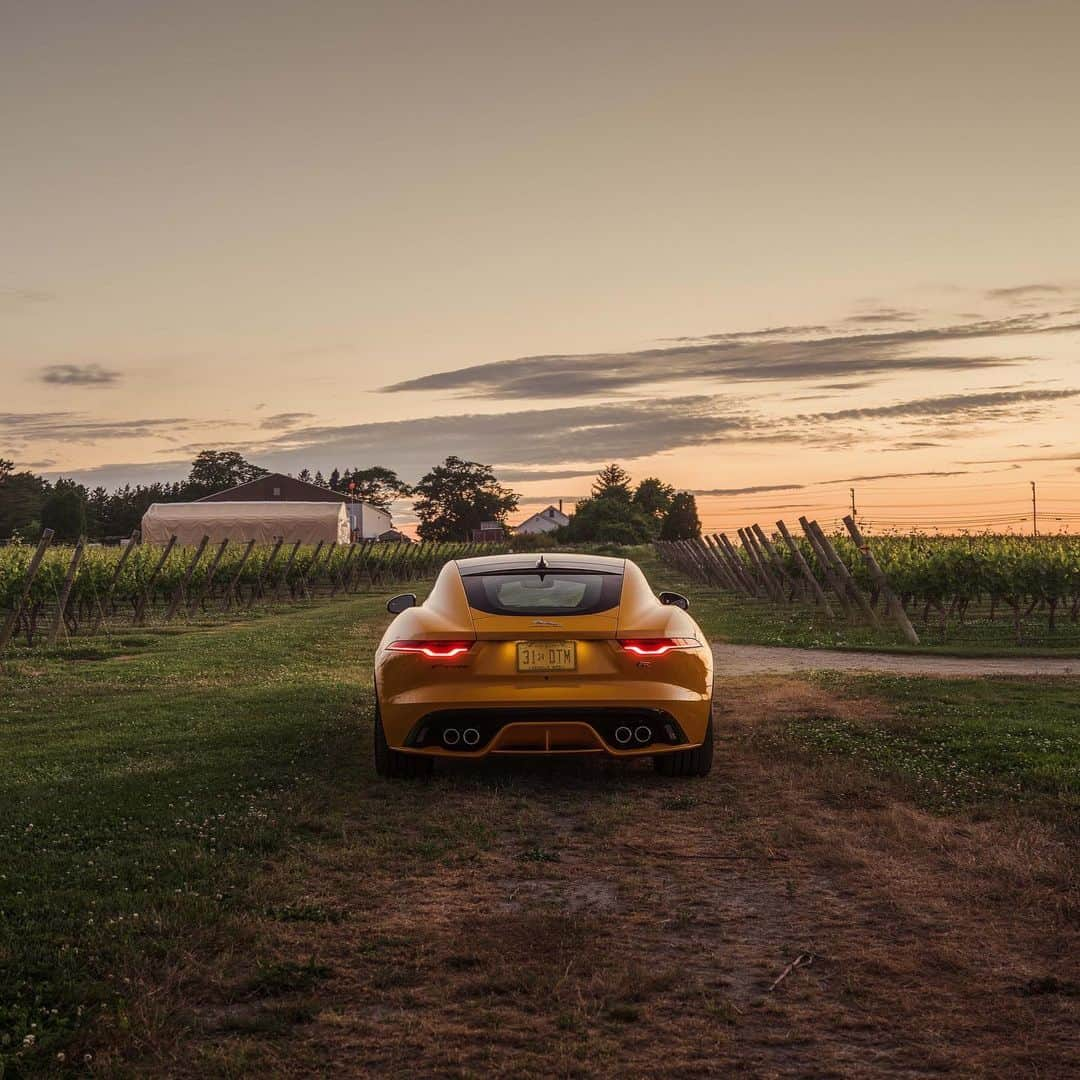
(550, 592)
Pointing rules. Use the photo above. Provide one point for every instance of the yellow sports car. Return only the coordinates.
(543, 654)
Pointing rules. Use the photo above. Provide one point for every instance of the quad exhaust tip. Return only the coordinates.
(451, 736)
(643, 734)
(470, 736)
(623, 735)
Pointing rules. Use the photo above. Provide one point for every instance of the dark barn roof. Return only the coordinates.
(276, 486)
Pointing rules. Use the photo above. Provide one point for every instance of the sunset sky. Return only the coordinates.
(765, 251)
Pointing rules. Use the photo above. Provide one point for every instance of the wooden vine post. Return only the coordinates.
(7, 631)
(749, 583)
(305, 574)
(65, 591)
(826, 568)
(234, 581)
(845, 576)
(288, 568)
(360, 567)
(772, 586)
(129, 547)
(208, 583)
(892, 602)
(816, 590)
(339, 577)
(182, 589)
(766, 543)
(144, 599)
(257, 589)
(720, 562)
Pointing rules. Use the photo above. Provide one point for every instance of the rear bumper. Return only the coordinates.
(619, 728)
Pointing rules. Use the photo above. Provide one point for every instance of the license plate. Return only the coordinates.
(546, 656)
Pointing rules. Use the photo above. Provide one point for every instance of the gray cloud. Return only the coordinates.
(755, 490)
(117, 474)
(733, 358)
(915, 444)
(13, 298)
(969, 406)
(883, 315)
(566, 442)
(78, 375)
(899, 476)
(284, 420)
(750, 335)
(534, 437)
(68, 427)
(1024, 292)
(523, 476)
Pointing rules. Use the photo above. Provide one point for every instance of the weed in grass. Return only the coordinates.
(679, 802)
(539, 855)
(306, 913)
(285, 977)
(273, 1020)
(1050, 984)
(623, 1013)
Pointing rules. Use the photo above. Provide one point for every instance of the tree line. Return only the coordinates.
(451, 500)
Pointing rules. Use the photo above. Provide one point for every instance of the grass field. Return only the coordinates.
(201, 875)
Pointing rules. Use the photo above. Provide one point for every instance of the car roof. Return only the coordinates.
(554, 560)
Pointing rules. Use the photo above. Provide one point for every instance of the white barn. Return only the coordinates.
(543, 521)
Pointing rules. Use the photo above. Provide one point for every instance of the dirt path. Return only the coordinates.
(777, 660)
(571, 919)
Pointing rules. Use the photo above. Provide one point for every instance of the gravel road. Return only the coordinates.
(775, 660)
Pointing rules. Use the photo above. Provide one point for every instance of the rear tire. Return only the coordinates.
(695, 762)
(393, 764)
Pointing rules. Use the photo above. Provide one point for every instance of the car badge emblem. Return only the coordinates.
(545, 622)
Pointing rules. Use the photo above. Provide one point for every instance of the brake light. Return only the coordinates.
(433, 650)
(656, 646)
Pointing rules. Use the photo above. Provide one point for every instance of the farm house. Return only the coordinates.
(265, 522)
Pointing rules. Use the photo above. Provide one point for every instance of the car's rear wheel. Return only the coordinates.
(392, 763)
(695, 762)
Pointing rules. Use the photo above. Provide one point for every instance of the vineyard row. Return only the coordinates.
(898, 578)
(50, 593)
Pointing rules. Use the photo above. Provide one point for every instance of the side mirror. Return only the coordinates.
(397, 604)
(674, 599)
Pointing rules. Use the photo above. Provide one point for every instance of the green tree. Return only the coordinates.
(681, 521)
(610, 519)
(654, 496)
(334, 480)
(456, 496)
(64, 510)
(21, 497)
(612, 482)
(219, 470)
(376, 485)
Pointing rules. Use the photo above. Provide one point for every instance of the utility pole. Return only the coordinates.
(852, 503)
(1034, 512)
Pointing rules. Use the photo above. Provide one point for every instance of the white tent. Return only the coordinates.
(265, 522)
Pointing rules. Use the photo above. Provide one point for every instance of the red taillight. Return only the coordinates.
(656, 646)
(433, 650)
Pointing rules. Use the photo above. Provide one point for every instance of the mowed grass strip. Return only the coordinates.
(138, 791)
(991, 747)
(964, 742)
